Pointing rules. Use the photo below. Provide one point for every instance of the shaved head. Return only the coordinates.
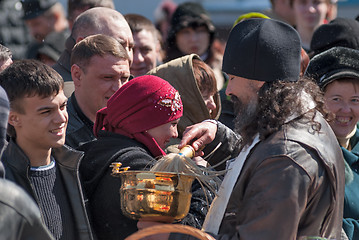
(102, 20)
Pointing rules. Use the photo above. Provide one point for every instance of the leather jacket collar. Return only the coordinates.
(63, 156)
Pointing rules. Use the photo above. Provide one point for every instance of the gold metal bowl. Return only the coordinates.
(155, 196)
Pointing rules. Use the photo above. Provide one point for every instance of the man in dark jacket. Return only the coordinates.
(36, 158)
(47, 23)
(100, 66)
(98, 20)
(288, 180)
(20, 217)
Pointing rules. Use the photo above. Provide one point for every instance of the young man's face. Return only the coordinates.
(145, 53)
(42, 124)
(98, 82)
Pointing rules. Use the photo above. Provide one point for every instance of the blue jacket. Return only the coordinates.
(351, 197)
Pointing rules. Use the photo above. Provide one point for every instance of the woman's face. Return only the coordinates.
(163, 133)
(209, 101)
(342, 99)
(310, 14)
(191, 40)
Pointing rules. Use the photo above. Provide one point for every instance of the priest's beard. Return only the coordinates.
(245, 114)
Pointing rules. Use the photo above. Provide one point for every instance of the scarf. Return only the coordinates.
(141, 104)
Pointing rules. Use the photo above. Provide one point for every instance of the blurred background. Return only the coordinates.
(223, 12)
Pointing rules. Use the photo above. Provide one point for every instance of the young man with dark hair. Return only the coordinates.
(36, 157)
(20, 216)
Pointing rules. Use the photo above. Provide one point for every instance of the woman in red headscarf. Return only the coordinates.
(139, 120)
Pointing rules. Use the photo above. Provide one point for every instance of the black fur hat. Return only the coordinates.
(333, 64)
(263, 49)
(340, 32)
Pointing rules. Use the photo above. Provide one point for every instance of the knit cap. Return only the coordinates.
(340, 32)
(264, 50)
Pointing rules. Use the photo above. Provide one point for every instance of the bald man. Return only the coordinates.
(98, 20)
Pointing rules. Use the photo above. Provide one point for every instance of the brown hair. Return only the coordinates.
(138, 23)
(28, 78)
(96, 45)
(204, 76)
(304, 61)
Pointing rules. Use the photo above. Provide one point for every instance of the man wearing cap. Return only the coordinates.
(45, 18)
(287, 180)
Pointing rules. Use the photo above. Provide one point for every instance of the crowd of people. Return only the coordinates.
(274, 113)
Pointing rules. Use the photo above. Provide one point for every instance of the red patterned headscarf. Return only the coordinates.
(141, 104)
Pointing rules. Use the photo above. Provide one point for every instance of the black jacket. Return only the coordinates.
(63, 66)
(17, 167)
(102, 189)
(20, 217)
(79, 128)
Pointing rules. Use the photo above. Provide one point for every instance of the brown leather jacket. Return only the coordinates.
(291, 185)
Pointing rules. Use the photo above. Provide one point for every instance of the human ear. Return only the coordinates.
(14, 119)
(79, 39)
(76, 73)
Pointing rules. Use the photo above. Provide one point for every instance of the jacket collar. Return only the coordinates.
(17, 158)
(354, 143)
(352, 157)
(64, 156)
